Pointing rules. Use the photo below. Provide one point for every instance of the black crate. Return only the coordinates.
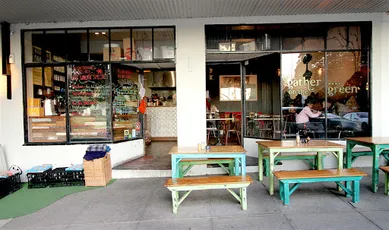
(4, 187)
(10, 184)
(14, 182)
(38, 180)
(56, 177)
(75, 178)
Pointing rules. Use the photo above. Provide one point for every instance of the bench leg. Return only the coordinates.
(386, 183)
(355, 191)
(243, 198)
(175, 200)
(281, 189)
(286, 193)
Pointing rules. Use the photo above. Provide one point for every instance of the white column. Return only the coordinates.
(190, 69)
(380, 77)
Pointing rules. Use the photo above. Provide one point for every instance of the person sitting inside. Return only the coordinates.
(302, 118)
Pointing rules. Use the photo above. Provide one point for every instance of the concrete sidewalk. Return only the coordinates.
(146, 204)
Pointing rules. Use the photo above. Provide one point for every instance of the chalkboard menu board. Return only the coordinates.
(89, 89)
(89, 107)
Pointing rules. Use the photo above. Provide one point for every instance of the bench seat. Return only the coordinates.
(189, 184)
(309, 176)
(385, 169)
(191, 162)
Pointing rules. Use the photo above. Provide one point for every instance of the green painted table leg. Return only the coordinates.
(243, 198)
(375, 170)
(231, 168)
(271, 170)
(266, 166)
(319, 160)
(386, 183)
(286, 193)
(355, 191)
(260, 163)
(175, 199)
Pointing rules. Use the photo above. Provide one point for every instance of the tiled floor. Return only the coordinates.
(146, 204)
(157, 158)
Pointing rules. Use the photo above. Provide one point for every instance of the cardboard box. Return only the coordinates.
(129, 54)
(167, 51)
(35, 112)
(34, 102)
(227, 46)
(98, 172)
(116, 54)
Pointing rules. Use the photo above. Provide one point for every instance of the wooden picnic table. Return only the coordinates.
(274, 148)
(236, 152)
(377, 146)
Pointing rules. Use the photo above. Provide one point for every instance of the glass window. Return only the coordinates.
(99, 47)
(354, 34)
(89, 103)
(126, 122)
(56, 45)
(348, 94)
(164, 44)
(292, 43)
(122, 38)
(46, 122)
(303, 88)
(33, 43)
(313, 43)
(77, 48)
(143, 44)
(268, 41)
(337, 38)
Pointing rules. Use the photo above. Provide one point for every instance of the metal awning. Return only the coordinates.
(35, 11)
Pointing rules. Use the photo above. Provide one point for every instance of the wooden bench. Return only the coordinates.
(311, 159)
(308, 176)
(189, 184)
(191, 162)
(385, 169)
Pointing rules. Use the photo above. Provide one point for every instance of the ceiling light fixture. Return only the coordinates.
(103, 33)
(97, 33)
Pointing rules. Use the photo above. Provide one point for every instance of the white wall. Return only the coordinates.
(380, 77)
(190, 69)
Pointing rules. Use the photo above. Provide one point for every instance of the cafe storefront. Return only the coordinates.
(361, 87)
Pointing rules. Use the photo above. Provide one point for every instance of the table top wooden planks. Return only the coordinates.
(370, 140)
(293, 144)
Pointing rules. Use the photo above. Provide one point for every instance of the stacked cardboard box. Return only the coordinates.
(98, 172)
(116, 53)
(129, 53)
(34, 108)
